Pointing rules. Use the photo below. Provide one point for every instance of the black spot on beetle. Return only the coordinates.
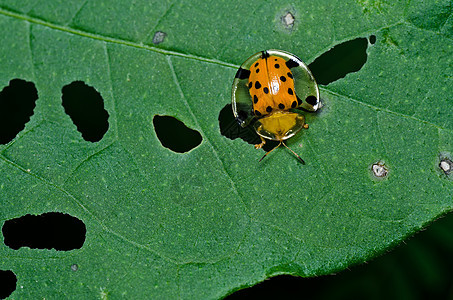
(269, 109)
(256, 65)
(299, 101)
(266, 90)
(281, 106)
(294, 104)
(255, 99)
(242, 73)
(290, 75)
(292, 63)
(257, 70)
(311, 100)
(283, 78)
(250, 84)
(257, 85)
(257, 113)
(277, 66)
(290, 91)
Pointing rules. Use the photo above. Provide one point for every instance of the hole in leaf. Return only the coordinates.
(342, 59)
(231, 129)
(175, 135)
(8, 282)
(85, 106)
(372, 39)
(17, 102)
(46, 231)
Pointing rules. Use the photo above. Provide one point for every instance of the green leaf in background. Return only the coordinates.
(207, 222)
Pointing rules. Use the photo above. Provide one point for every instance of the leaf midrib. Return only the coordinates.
(111, 39)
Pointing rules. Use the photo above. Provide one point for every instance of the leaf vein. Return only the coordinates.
(340, 96)
(81, 205)
(161, 18)
(76, 12)
(109, 74)
(111, 39)
(183, 98)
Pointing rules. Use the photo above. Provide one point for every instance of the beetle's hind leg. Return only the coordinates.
(259, 146)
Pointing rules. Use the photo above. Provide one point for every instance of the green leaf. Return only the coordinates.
(204, 223)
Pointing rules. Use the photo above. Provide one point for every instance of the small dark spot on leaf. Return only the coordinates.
(159, 37)
(85, 106)
(379, 170)
(8, 283)
(175, 135)
(372, 39)
(46, 231)
(17, 102)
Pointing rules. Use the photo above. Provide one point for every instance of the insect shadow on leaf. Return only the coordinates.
(230, 128)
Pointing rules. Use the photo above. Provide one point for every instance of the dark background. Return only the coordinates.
(420, 268)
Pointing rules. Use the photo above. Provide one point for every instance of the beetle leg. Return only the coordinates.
(259, 146)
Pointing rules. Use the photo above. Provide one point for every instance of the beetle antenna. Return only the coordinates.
(300, 159)
(270, 151)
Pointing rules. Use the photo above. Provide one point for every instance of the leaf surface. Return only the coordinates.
(210, 221)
